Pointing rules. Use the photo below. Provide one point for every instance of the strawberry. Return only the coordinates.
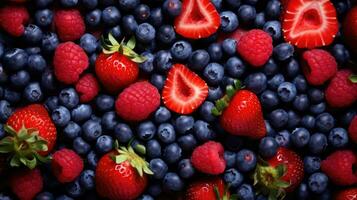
(184, 91)
(26, 184)
(137, 101)
(13, 19)
(352, 129)
(309, 23)
(117, 66)
(347, 194)
(344, 161)
(32, 135)
(281, 173)
(87, 87)
(240, 113)
(198, 19)
(122, 167)
(69, 62)
(342, 90)
(69, 24)
(207, 189)
(66, 165)
(350, 29)
(208, 158)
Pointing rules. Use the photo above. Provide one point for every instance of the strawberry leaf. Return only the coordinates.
(120, 158)
(281, 170)
(353, 78)
(112, 40)
(131, 43)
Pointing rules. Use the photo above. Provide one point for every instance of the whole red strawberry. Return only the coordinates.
(137, 101)
(69, 24)
(281, 173)
(117, 66)
(350, 29)
(208, 158)
(69, 62)
(207, 189)
(344, 161)
(347, 194)
(255, 47)
(341, 92)
(240, 113)
(352, 129)
(13, 19)
(319, 66)
(66, 165)
(32, 135)
(119, 168)
(26, 184)
(87, 88)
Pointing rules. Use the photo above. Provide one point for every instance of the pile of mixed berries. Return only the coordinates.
(178, 99)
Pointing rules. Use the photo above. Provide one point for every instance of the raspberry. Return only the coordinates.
(208, 158)
(69, 24)
(256, 46)
(137, 101)
(339, 167)
(66, 165)
(341, 92)
(13, 18)
(87, 87)
(318, 66)
(26, 184)
(69, 62)
(352, 129)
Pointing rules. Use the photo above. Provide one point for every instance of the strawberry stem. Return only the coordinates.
(223, 102)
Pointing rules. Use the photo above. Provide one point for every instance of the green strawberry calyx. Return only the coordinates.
(128, 154)
(223, 102)
(353, 78)
(225, 195)
(24, 147)
(111, 45)
(268, 180)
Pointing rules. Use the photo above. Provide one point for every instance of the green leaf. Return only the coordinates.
(230, 91)
(233, 197)
(116, 144)
(237, 84)
(215, 112)
(216, 192)
(281, 184)
(15, 162)
(273, 195)
(147, 170)
(112, 40)
(139, 59)
(353, 78)
(120, 158)
(140, 149)
(30, 163)
(42, 159)
(6, 148)
(131, 43)
(10, 130)
(7, 141)
(281, 169)
(221, 104)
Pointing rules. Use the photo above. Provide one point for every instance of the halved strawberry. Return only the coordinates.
(198, 19)
(310, 23)
(184, 91)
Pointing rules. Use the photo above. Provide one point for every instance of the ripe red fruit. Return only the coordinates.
(318, 66)
(344, 161)
(32, 136)
(87, 88)
(66, 165)
(184, 91)
(26, 184)
(347, 194)
(352, 129)
(236, 35)
(13, 19)
(281, 173)
(350, 29)
(69, 24)
(137, 101)
(198, 19)
(208, 158)
(119, 168)
(310, 23)
(69, 62)
(205, 189)
(341, 92)
(255, 47)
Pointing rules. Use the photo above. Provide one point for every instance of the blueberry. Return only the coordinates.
(233, 3)
(283, 51)
(3, 74)
(181, 50)
(271, 68)
(166, 34)
(64, 197)
(246, 160)
(104, 102)
(268, 147)
(111, 16)
(172, 153)
(11, 95)
(270, 131)
(153, 149)
(41, 196)
(229, 21)
(43, 3)
(233, 177)
(283, 138)
(347, 117)
(187, 142)
(235, 67)
(154, 189)
(184, 124)
(256, 82)
(308, 122)
(36, 63)
(272, 9)
(173, 182)
(206, 111)
(104, 144)
(49, 42)
(166, 133)
(69, 3)
(145, 197)
(301, 102)
(213, 73)
(277, 80)
(14, 59)
(316, 95)
(172, 7)
(146, 130)
(33, 34)
(246, 13)
(230, 158)
(89, 43)
(158, 81)
(20, 78)
(72, 130)
(145, 33)
(93, 18)
(325, 122)
(80, 146)
(341, 53)
(273, 28)
(203, 131)
(260, 20)
(215, 51)
(303, 192)
(43, 17)
(156, 17)
(294, 119)
(87, 179)
(142, 12)
(300, 137)
(81, 112)
(229, 46)
(61, 116)
(217, 4)
(162, 115)
(338, 137)
(292, 68)
(317, 143)
(269, 99)
(214, 93)
(185, 168)
(68, 97)
(29, 51)
(158, 167)
(311, 164)
(163, 60)
(90, 4)
(245, 192)
(129, 24)
(278, 118)
(51, 103)
(300, 83)
(109, 120)
(318, 108)
(74, 189)
(148, 65)
(91, 130)
(318, 182)
(287, 91)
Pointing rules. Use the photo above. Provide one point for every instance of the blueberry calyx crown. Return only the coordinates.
(223, 102)
(111, 45)
(24, 145)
